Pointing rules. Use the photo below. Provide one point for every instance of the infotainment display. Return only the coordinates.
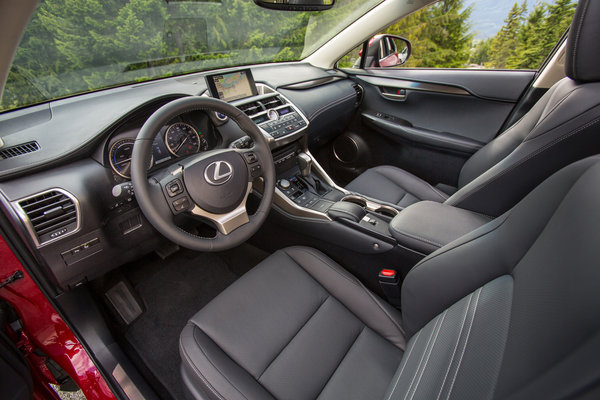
(232, 85)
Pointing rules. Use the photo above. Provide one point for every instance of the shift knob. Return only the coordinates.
(305, 164)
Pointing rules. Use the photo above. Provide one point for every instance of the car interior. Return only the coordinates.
(297, 230)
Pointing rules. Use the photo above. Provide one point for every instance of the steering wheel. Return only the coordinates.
(213, 185)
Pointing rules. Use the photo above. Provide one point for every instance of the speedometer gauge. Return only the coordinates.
(120, 157)
(182, 139)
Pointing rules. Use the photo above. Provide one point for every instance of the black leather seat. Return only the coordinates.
(562, 127)
(509, 311)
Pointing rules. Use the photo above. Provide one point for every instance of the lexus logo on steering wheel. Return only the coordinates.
(218, 172)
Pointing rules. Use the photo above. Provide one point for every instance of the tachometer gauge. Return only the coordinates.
(120, 157)
(182, 139)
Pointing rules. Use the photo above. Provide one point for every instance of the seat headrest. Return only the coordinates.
(583, 43)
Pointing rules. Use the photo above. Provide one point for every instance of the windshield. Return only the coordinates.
(78, 46)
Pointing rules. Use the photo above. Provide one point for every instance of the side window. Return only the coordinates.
(479, 34)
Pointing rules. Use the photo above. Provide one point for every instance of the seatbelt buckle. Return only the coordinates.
(390, 285)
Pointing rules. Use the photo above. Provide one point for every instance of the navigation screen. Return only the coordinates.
(232, 86)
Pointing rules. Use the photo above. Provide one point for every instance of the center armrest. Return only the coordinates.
(426, 226)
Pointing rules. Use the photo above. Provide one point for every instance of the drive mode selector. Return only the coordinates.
(284, 184)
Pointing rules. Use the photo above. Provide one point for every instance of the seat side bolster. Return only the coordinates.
(368, 307)
(221, 378)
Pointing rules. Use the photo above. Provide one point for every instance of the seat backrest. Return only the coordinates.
(562, 127)
(511, 310)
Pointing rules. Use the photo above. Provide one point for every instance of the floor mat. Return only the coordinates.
(172, 291)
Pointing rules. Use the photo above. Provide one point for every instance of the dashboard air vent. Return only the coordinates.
(251, 108)
(360, 92)
(50, 214)
(19, 150)
(273, 102)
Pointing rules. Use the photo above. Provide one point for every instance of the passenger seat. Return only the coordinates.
(563, 127)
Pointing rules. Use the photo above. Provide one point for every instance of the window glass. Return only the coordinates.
(492, 34)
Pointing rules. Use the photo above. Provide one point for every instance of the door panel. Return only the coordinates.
(429, 121)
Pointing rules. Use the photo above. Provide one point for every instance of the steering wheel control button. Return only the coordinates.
(256, 170)
(250, 158)
(174, 188)
(181, 204)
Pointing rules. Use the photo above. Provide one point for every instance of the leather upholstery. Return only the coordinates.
(560, 128)
(426, 226)
(581, 63)
(297, 311)
(394, 185)
(509, 311)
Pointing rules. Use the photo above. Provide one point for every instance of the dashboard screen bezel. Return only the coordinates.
(212, 87)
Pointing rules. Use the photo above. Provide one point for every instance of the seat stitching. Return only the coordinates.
(407, 174)
(518, 163)
(422, 357)
(214, 366)
(292, 338)
(578, 35)
(405, 364)
(342, 360)
(456, 345)
(350, 280)
(410, 235)
(429, 355)
(464, 349)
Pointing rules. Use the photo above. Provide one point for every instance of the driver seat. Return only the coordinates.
(508, 311)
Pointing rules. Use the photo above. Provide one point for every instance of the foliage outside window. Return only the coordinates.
(76, 46)
(442, 36)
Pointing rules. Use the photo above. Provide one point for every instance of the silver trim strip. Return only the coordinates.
(227, 223)
(29, 226)
(412, 85)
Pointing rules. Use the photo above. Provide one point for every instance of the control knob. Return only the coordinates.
(284, 184)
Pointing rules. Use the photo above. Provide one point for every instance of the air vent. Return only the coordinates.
(360, 92)
(50, 214)
(273, 102)
(251, 108)
(19, 150)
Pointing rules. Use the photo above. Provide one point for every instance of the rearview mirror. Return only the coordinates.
(296, 5)
(385, 51)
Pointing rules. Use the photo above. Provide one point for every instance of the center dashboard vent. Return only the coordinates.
(258, 106)
(50, 214)
(19, 150)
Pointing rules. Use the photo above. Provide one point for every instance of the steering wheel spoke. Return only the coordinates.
(228, 222)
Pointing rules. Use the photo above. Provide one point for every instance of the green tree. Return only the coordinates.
(440, 35)
(504, 44)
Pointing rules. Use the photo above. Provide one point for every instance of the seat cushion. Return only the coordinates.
(297, 326)
(394, 185)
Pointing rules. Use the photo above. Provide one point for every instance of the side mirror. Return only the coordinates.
(385, 51)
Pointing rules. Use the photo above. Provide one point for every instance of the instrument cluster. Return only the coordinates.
(186, 135)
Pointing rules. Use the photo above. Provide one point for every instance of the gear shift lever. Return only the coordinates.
(305, 164)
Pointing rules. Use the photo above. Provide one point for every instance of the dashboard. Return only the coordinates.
(68, 193)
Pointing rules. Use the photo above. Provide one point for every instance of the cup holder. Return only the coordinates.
(384, 210)
(387, 211)
(356, 200)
